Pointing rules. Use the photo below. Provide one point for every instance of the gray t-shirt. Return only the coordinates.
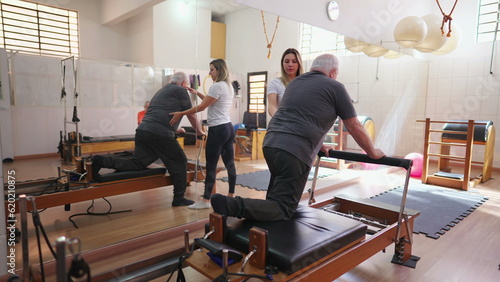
(171, 98)
(310, 105)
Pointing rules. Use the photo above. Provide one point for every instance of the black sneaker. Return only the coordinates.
(181, 202)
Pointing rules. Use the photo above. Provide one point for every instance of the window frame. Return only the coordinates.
(487, 29)
(252, 96)
(31, 27)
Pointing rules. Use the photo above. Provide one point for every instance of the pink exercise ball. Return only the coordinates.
(418, 162)
(369, 166)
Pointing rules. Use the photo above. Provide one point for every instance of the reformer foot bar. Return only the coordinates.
(322, 241)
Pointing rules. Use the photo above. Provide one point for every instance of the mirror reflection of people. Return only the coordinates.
(220, 137)
(294, 137)
(155, 137)
(140, 115)
(291, 67)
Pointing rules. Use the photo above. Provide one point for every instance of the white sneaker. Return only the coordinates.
(199, 205)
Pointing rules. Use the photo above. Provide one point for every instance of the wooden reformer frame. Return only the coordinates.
(465, 181)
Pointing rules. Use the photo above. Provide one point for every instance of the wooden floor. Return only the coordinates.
(470, 251)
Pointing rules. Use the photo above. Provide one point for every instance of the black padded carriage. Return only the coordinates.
(294, 244)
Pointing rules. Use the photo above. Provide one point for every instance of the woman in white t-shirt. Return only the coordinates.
(221, 133)
(291, 67)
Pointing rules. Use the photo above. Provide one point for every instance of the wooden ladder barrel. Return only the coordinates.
(457, 133)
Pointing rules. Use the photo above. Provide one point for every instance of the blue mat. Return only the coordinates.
(259, 180)
(440, 208)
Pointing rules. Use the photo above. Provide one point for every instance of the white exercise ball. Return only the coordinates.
(375, 51)
(452, 42)
(434, 38)
(410, 31)
(355, 45)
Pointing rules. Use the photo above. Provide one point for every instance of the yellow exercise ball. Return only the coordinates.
(410, 31)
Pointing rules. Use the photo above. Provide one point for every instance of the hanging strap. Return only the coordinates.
(446, 18)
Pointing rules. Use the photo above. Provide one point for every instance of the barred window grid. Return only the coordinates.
(488, 21)
(315, 40)
(37, 28)
(257, 88)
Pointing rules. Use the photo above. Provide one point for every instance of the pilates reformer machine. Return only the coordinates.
(322, 241)
(93, 145)
(72, 186)
(455, 141)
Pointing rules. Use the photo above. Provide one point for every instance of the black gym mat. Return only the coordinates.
(440, 208)
(259, 180)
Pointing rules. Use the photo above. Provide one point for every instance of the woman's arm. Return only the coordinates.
(207, 101)
(272, 103)
(358, 132)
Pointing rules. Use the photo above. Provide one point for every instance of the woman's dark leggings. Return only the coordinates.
(220, 143)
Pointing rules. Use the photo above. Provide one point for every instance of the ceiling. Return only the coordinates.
(219, 8)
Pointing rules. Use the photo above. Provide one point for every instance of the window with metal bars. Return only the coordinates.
(488, 21)
(317, 40)
(37, 28)
(257, 82)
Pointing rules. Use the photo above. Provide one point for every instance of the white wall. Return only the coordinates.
(181, 40)
(140, 38)
(246, 46)
(181, 35)
(114, 11)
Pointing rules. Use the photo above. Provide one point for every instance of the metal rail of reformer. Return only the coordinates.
(389, 161)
